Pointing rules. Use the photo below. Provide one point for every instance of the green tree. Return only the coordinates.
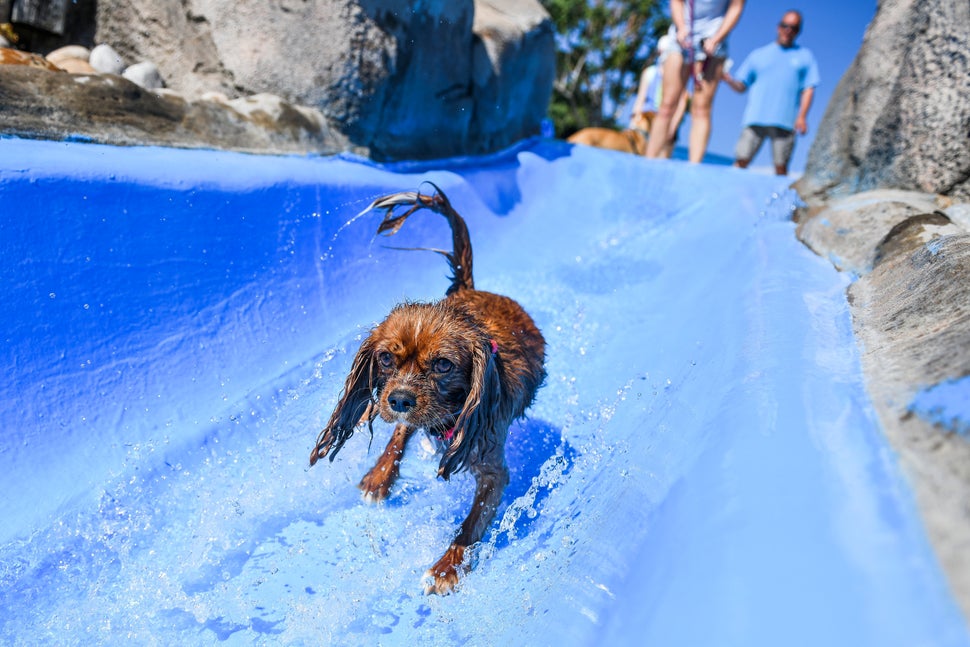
(601, 48)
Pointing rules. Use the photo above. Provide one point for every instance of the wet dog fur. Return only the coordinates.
(462, 369)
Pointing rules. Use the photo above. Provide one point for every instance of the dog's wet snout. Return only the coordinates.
(401, 400)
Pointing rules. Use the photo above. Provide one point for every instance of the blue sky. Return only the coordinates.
(833, 30)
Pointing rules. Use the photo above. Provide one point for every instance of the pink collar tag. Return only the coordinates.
(494, 346)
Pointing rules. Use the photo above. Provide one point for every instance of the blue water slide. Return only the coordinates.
(702, 466)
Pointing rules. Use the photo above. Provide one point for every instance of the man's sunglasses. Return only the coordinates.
(785, 25)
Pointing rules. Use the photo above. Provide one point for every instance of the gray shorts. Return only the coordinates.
(782, 143)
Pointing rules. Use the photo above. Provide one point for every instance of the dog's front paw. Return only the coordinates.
(441, 578)
(376, 484)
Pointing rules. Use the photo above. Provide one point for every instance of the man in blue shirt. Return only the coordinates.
(781, 77)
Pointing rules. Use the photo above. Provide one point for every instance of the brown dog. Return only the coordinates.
(9, 56)
(462, 369)
(631, 140)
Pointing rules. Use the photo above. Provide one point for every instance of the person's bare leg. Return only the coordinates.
(700, 111)
(668, 148)
(674, 80)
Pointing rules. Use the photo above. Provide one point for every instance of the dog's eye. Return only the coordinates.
(386, 359)
(442, 365)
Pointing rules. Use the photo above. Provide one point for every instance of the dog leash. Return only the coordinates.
(690, 39)
(698, 75)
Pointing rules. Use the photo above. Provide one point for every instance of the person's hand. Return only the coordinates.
(801, 126)
(733, 83)
(683, 38)
(710, 46)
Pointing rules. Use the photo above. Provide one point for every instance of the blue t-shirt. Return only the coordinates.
(775, 77)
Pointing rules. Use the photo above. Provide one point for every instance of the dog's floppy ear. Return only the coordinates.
(355, 407)
(476, 423)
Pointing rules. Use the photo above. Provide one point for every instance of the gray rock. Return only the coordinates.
(513, 66)
(959, 214)
(899, 117)
(113, 110)
(911, 315)
(218, 97)
(456, 77)
(144, 74)
(272, 112)
(850, 228)
(106, 60)
(898, 122)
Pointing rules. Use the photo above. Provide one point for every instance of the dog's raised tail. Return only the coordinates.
(460, 256)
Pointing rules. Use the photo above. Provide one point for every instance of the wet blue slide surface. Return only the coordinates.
(702, 466)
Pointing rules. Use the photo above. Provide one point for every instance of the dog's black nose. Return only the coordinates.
(401, 400)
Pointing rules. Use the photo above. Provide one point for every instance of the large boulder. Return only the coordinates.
(391, 79)
(887, 187)
(910, 304)
(401, 79)
(113, 110)
(900, 116)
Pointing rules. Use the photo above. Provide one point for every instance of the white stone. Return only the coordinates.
(145, 74)
(69, 52)
(106, 60)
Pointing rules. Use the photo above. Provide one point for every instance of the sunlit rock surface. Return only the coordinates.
(887, 189)
(387, 79)
(900, 115)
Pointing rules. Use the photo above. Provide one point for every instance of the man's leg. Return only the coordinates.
(782, 145)
(747, 147)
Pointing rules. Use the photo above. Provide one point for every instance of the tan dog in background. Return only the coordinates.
(10, 56)
(630, 140)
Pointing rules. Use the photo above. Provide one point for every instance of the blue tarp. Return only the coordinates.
(702, 466)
